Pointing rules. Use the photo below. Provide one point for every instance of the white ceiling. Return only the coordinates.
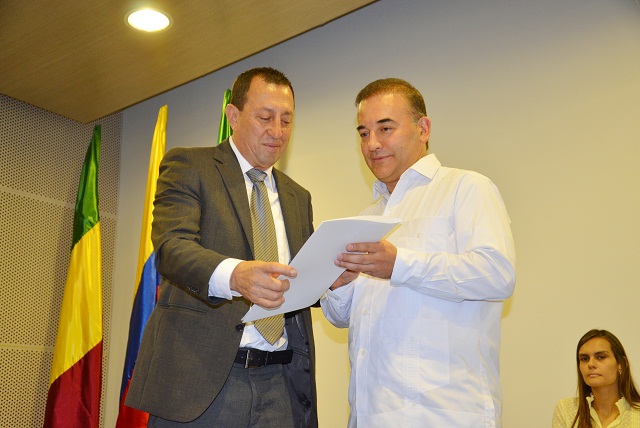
(79, 59)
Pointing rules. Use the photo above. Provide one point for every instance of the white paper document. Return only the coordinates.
(314, 261)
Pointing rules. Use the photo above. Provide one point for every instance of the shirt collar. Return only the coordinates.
(246, 166)
(622, 403)
(426, 166)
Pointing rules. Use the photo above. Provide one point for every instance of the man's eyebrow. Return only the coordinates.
(274, 111)
(385, 120)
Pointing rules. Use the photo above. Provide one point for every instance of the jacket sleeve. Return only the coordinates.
(176, 232)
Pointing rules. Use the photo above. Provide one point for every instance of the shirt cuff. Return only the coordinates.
(220, 279)
(400, 267)
(340, 296)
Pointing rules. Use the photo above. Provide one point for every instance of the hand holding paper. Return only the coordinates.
(315, 261)
(373, 258)
(262, 283)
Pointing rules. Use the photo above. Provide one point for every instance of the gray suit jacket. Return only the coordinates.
(201, 217)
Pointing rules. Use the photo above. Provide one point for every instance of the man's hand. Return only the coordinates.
(258, 282)
(373, 258)
(345, 277)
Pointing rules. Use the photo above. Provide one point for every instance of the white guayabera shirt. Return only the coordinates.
(424, 346)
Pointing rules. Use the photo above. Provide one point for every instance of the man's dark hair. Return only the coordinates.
(398, 86)
(243, 82)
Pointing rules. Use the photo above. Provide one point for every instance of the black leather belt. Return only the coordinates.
(252, 358)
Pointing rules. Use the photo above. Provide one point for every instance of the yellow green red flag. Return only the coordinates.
(76, 372)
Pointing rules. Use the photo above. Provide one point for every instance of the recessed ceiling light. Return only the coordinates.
(148, 20)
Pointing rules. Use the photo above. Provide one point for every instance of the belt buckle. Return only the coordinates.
(246, 361)
(254, 359)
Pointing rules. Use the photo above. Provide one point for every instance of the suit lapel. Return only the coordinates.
(231, 174)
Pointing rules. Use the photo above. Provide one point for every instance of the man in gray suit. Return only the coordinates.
(198, 365)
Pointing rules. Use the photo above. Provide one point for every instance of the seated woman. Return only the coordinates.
(607, 395)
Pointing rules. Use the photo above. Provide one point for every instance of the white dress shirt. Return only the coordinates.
(220, 279)
(424, 346)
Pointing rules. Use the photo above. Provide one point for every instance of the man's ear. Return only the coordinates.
(425, 128)
(232, 113)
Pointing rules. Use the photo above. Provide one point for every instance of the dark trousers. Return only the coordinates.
(250, 398)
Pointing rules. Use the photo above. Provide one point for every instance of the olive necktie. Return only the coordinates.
(265, 246)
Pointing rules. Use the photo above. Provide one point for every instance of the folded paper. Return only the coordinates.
(314, 261)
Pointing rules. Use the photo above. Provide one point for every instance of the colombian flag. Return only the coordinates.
(147, 280)
(76, 372)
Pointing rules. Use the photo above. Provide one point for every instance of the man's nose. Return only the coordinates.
(373, 143)
(275, 131)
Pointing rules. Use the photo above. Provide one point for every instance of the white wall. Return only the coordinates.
(541, 96)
